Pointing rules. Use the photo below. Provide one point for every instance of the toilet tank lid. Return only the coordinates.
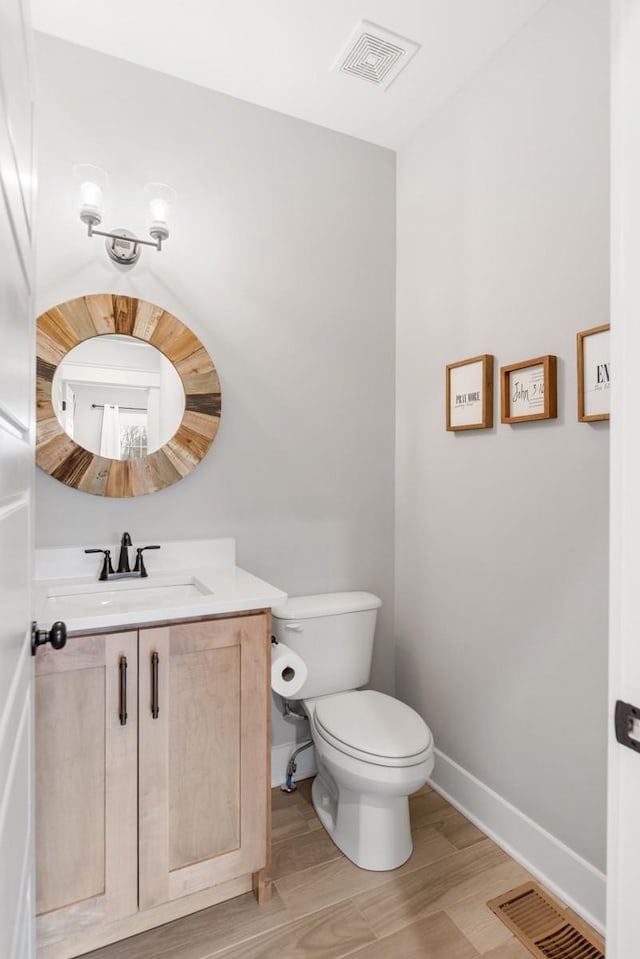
(325, 604)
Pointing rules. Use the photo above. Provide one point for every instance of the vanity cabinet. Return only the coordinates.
(144, 819)
(86, 785)
(202, 762)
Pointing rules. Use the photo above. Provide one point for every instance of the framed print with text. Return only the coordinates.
(529, 390)
(470, 394)
(594, 374)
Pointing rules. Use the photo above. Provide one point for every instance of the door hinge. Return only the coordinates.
(627, 720)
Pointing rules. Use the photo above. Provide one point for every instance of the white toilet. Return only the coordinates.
(372, 751)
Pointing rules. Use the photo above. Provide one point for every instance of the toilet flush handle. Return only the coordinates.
(293, 627)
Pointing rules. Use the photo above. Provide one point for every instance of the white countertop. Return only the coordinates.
(186, 580)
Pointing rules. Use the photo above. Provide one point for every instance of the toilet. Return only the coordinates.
(372, 751)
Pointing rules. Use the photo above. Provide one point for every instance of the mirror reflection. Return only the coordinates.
(118, 396)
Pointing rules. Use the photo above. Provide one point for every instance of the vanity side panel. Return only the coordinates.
(261, 879)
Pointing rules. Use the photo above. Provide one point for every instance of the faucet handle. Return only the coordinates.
(107, 568)
(139, 566)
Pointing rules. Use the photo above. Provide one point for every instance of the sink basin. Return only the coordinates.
(123, 595)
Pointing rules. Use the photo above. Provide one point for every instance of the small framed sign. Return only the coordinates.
(594, 374)
(470, 394)
(529, 390)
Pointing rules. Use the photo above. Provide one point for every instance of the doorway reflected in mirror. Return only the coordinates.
(118, 396)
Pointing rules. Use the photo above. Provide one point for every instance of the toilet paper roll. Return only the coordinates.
(288, 671)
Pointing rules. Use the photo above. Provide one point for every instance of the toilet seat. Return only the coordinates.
(373, 727)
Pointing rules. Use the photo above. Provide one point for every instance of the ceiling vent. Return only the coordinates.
(375, 54)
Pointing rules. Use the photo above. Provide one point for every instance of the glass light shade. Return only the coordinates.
(90, 183)
(161, 199)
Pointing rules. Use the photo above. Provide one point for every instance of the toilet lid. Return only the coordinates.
(373, 724)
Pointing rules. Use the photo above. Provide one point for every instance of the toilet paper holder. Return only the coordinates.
(288, 670)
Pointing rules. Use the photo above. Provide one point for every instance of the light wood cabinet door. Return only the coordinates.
(203, 757)
(86, 784)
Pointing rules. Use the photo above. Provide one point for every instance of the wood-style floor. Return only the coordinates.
(323, 907)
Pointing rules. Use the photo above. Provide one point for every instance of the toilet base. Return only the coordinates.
(374, 832)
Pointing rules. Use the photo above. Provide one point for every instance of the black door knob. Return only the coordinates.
(57, 636)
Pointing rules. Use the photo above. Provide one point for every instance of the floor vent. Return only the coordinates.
(375, 54)
(547, 929)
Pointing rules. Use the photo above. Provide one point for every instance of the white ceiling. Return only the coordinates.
(278, 53)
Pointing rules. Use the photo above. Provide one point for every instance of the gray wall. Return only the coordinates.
(501, 558)
(283, 262)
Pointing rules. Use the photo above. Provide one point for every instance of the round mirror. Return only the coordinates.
(118, 396)
(128, 399)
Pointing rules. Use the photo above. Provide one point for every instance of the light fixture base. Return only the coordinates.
(123, 247)
(159, 232)
(91, 218)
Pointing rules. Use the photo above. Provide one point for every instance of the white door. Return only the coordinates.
(623, 869)
(16, 478)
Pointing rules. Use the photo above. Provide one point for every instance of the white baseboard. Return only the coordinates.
(575, 881)
(305, 762)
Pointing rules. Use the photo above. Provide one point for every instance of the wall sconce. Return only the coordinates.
(122, 246)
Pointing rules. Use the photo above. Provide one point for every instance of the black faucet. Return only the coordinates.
(124, 571)
(123, 560)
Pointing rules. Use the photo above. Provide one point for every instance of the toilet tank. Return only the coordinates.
(333, 633)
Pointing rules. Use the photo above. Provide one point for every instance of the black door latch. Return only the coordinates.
(57, 636)
(625, 717)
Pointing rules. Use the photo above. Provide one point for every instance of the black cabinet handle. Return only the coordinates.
(155, 708)
(123, 691)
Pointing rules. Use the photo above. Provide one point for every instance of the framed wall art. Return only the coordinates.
(529, 390)
(470, 394)
(594, 374)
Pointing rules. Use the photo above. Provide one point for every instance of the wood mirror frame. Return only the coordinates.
(68, 324)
